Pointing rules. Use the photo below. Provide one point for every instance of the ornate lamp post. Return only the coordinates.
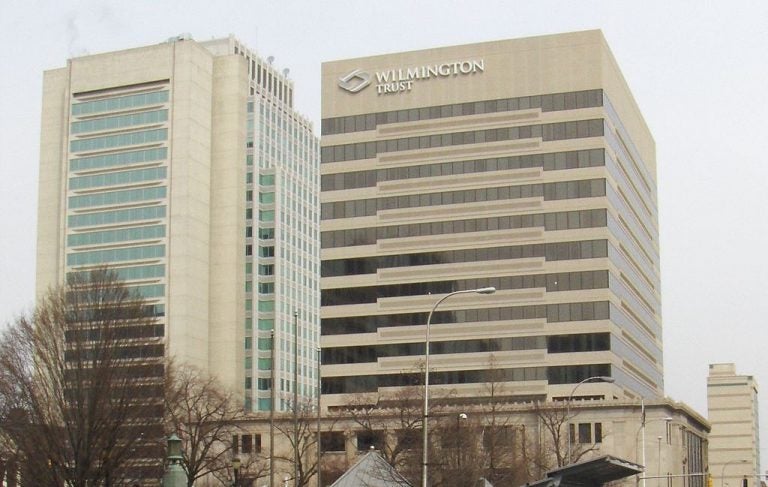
(175, 476)
(236, 471)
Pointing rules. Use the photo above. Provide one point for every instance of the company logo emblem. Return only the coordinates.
(355, 81)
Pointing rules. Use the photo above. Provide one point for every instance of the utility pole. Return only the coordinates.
(295, 397)
(319, 446)
(272, 416)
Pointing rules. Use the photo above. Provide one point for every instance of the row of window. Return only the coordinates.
(119, 103)
(553, 313)
(587, 249)
(584, 342)
(557, 281)
(116, 255)
(264, 215)
(266, 179)
(117, 197)
(119, 159)
(140, 272)
(264, 233)
(587, 432)
(585, 188)
(570, 374)
(123, 352)
(548, 162)
(120, 333)
(119, 235)
(118, 178)
(129, 273)
(563, 220)
(547, 103)
(246, 444)
(116, 216)
(148, 291)
(110, 141)
(119, 121)
(576, 129)
(268, 251)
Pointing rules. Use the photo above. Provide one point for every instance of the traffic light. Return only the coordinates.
(709, 480)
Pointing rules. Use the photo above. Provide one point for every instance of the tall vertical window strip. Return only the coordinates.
(121, 159)
(119, 103)
(120, 121)
(110, 141)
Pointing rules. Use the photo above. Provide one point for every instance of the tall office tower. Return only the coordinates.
(184, 166)
(521, 164)
(734, 443)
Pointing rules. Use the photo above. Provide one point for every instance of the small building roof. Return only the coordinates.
(371, 471)
(590, 473)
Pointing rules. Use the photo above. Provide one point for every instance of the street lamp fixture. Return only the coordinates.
(722, 473)
(459, 418)
(236, 470)
(597, 378)
(667, 419)
(425, 414)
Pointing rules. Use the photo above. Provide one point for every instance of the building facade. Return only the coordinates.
(673, 446)
(524, 165)
(734, 444)
(185, 168)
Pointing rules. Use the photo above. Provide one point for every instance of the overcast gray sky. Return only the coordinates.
(698, 70)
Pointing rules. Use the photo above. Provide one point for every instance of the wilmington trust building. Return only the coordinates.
(522, 164)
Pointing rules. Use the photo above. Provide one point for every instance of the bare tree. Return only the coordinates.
(81, 382)
(556, 420)
(302, 441)
(205, 417)
(503, 435)
(393, 424)
(253, 466)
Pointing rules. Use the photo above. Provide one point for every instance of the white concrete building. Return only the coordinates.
(734, 443)
(185, 167)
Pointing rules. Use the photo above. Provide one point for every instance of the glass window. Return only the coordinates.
(110, 141)
(119, 103)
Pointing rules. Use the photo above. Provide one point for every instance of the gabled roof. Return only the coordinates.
(371, 471)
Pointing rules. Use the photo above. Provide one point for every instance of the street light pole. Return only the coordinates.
(459, 418)
(236, 471)
(425, 414)
(272, 414)
(319, 445)
(658, 468)
(666, 419)
(597, 378)
(295, 397)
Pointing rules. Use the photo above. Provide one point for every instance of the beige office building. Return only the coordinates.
(672, 443)
(521, 164)
(184, 166)
(734, 444)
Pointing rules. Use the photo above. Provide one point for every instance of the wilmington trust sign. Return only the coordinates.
(401, 80)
